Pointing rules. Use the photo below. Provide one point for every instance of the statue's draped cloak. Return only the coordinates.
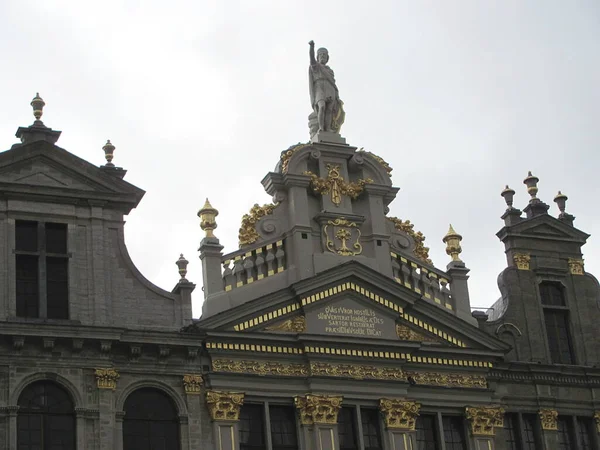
(322, 87)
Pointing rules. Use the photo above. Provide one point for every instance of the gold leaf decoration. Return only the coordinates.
(259, 367)
(192, 384)
(448, 379)
(379, 159)
(318, 409)
(399, 413)
(287, 155)
(248, 234)
(357, 371)
(336, 185)
(420, 251)
(549, 419)
(408, 334)
(295, 324)
(484, 420)
(106, 378)
(224, 405)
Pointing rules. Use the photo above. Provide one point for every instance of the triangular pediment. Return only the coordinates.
(545, 227)
(26, 168)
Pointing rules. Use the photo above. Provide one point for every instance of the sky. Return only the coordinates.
(200, 98)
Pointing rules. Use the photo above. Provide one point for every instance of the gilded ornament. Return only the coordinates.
(549, 419)
(484, 420)
(342, 230)
(287, 155)
(335, 185)
(420, 250)
(208, 219)
(522, 260)
(379, 159)
(248, 234)
(318, 409)
(106, 378)
(295, 325)
(576, 266)
(448, 379)
(408, 334)
(597, 420)
(224, 405)
(260, 367)
(452, 241)
(192, 384)
(399, 413)
(357, 372)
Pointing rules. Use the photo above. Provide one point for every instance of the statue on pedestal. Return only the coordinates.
(328, 112)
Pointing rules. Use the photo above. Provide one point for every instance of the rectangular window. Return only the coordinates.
(511, 437)
(347, 429)
(426, 433)
(530, 434)
(557, 329)
(252, 427)
(283, 428)
(565, 441)
(584, 433)
(42, 269)
(370, 426)
(454, 435)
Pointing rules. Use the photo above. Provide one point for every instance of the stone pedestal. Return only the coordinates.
(328, 137)
(460, 290)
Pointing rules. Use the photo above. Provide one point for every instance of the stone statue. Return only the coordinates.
(328, 111)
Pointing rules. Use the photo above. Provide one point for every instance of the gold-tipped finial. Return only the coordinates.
(208, 216)
(531, 181)
(452, 241)
(182, 264)
(561, 201)
(38, 106)
(109, 151)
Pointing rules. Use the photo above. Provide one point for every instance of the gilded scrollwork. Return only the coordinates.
(448, 379)
(549, 419)
(294, 325)
(420, 250)
(485, 419)
(342, 230)
(335, 185)
(287, 155)
(357, 371)
(224, 405)
(248, 234)
(408, 334)
(399, 413)
(576, 266)
(522, 260)
(318, 409)
(192, 384)
(106, 378)
(259, 367)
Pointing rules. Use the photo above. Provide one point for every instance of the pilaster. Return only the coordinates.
(549, 423)
(106, 380)
(224, 409)
(318, 418)
(483, 423)
(400, 416)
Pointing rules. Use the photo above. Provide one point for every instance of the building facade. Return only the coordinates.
(329, 329)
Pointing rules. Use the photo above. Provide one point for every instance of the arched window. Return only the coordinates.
(46, 418)
(150, 421)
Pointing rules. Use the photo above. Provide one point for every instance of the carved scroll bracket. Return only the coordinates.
(318, 409)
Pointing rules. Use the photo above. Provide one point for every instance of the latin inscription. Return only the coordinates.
(354, 321)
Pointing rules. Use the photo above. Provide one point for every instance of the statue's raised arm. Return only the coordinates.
(328, 113)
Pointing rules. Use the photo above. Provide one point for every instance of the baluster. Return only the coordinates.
(238, 271)
(405, 273)
(415, 275)
(280, 256)
(270, 260)
(425, 283)
(227, 275)
(445, 291)
(248, 266)
(396, 269)
(259, 262)
(435, 288)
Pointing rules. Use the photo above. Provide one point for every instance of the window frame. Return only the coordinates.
(565, 312)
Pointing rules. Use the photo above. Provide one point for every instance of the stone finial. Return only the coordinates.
(208, 216)
(38, 106)
(318, 409)
(531, 181)
(182, 264)
(561, 202)
(109, 150)
(399, 413)
(484, 420)
(452, 241)
(224, 405)
(508, 194)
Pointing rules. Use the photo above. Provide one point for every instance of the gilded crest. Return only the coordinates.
(342, 237)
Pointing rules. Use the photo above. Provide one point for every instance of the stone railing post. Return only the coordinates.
(318, 417)
(483, 422)
(400, 417)
(224, 409)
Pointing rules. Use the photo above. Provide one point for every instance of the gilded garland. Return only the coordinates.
(248, 234)
(335, 185)
(420, 251)
(259, 367)
(356, 371)
(448, 379)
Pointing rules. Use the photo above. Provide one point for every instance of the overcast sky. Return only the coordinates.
(200, 98)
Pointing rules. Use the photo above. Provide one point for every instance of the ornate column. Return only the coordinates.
(400, 416)
(484, 420)
(318, 417)
(224, 409)
(106, 380)
(549, 422)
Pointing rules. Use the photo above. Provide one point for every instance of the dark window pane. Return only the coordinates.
(46, 418)
(26, 236)
(150, 421)
(252, 427)
(283, 428)
(347, 429)
(552, 294)
(530, 431)
(510, 431)
(425, 427)
(27, 286)
(371, 432)
(584, 433)
(564, 434)
(57, 287)
(454, 433)
(56, 238)
(559, 341)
